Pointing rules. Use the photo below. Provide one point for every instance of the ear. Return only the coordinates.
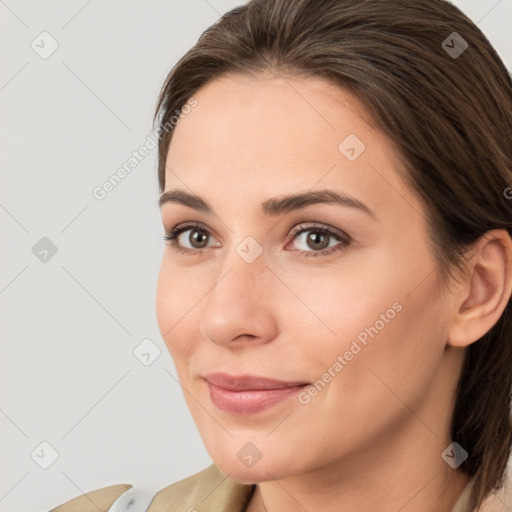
(486, 289)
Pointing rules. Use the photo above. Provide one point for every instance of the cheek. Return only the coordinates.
(400, 357)
(332, 306)
(175, 300)
(379, 320)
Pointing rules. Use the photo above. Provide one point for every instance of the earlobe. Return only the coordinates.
(487, 289)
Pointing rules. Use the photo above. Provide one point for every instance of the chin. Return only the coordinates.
(242, 475)
(261, 471)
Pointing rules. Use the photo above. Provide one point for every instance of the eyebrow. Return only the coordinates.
(273, 206)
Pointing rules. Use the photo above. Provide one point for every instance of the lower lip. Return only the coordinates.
(249, 401)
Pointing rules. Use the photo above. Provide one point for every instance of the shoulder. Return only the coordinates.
(207, 490)
(499, 500)
(99, 500)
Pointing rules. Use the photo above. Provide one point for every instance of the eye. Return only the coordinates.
(320, 240)
(198, 238)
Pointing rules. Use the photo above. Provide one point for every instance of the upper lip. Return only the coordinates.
(246, 382)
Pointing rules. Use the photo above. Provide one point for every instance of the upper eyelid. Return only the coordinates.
(308, 226)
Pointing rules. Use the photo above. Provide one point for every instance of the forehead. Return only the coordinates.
(269, 115)
(278, 135)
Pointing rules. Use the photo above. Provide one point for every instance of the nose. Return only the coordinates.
(239, 308)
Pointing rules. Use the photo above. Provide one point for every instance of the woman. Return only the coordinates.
(335, 286)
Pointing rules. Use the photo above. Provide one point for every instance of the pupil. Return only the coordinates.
(196, 235)
(317, 237)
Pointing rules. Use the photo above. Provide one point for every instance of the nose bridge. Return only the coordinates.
(244, 267)
(239, 305)
(244, 270)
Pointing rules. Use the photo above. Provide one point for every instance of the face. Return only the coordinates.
(337, 300)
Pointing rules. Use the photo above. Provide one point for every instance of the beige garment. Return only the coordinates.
(211, 491)
(206, 491)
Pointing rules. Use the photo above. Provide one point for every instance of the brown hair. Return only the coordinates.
(448, 115)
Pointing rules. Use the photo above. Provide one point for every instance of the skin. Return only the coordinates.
(372, 438)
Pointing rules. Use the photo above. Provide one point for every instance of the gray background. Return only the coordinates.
(69, 325)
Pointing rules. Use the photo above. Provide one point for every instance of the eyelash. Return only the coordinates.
(171, 239)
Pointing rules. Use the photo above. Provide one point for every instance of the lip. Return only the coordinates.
(248, 394)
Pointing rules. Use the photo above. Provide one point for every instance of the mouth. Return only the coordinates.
(248, 394)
